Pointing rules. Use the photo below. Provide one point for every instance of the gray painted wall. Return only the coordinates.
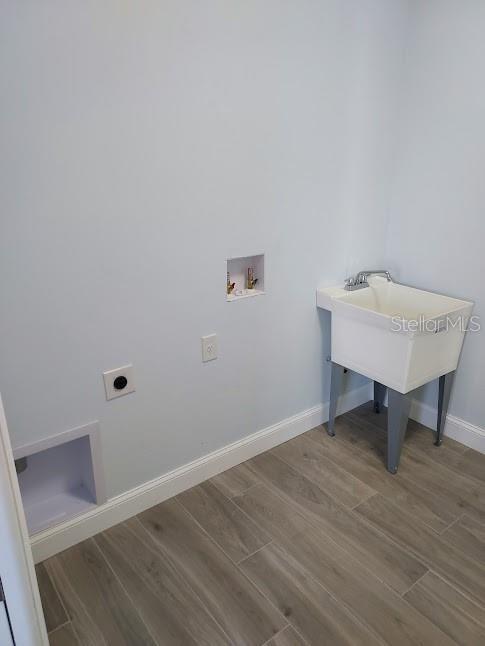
(437, 208)
(144, 143)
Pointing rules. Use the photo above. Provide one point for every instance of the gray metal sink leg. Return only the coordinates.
(398, 416)
(335, 388)
(379, 396)
(444, 392)
(399, 406)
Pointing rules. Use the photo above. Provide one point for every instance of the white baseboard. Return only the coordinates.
(456, 428)
(126, 505)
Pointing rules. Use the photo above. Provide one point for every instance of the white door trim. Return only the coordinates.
(16, 564)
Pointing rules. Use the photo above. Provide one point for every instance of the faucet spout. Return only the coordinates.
(360, 280)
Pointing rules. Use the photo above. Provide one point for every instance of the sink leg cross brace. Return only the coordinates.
(399, 405)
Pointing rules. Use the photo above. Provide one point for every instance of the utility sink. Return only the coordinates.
(398, 336)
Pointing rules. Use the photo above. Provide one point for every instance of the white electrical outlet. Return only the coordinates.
(119, 381)
(209, 347)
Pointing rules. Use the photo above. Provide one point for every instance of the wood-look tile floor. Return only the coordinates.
(313, 542)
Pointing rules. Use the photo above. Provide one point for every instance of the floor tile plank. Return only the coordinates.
(468, 535)
(164, 600)
(445, 559)
(473, 464)
(225, 523)
(235, 481)
(287, 637)
(369, 468)
(54, 613)
(458, 493)
(100, 611)
(458, 617)
(63, 636)
(279, 520)
(466, 494)
(302, 454)
(455, 457)
(244, 614)
(345, 578)
(391, 563)
(317, 616)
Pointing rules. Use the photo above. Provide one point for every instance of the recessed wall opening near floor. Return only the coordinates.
(61, 477)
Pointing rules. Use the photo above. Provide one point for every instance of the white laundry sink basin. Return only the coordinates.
(396, 335)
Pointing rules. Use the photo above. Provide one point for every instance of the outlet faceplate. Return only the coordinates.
(119, 382)
(209, 347)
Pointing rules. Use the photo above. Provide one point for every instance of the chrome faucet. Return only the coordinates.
(359, 281)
